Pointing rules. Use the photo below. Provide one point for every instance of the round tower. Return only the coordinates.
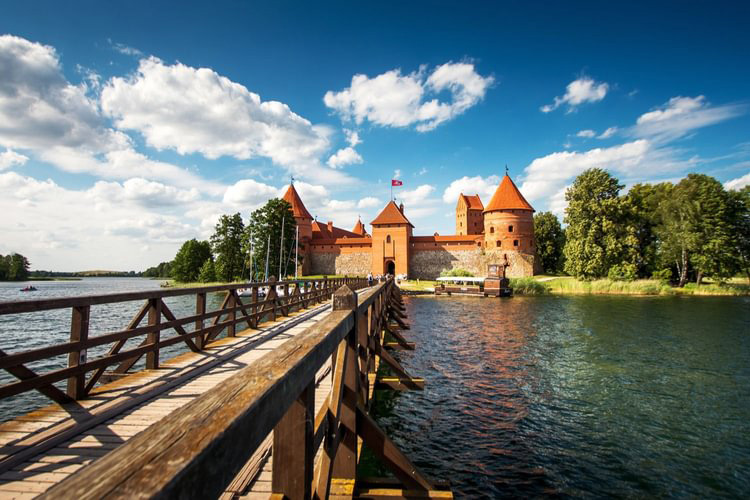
(509, 224)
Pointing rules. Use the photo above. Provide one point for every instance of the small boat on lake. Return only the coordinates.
(28, 288)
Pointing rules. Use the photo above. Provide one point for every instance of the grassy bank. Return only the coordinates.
(572, 286)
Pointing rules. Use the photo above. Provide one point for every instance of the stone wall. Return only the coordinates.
(354, 263)
(427, 264)
(346, 263)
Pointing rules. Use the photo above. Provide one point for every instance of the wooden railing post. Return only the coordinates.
(345, 461)
(154, 319)
(232, 303)
(200, 309)
(293, 452)
(79, 332)
(255, 306)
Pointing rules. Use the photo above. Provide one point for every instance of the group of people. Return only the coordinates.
(371, 279)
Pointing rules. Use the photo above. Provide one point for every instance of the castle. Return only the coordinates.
(500, 233)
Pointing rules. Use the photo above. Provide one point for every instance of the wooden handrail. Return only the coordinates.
(197, 450)
(160, 319)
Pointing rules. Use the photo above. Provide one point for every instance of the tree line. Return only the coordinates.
(238, 251)
(14, 267)
(679, 232)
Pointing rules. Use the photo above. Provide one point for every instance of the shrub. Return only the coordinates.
(663, 275)
(455, 272)
(622, 272)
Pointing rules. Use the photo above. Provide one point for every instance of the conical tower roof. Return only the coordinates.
(359, 228)
(298, 208)
(507, 196)
(391, 215)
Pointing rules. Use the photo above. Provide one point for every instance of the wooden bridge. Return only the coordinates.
(271, 397)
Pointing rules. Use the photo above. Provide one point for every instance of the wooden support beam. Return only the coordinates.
(200, 309)
(23, 373)
(79, 332)
(398, 346)
(400, 384)
(293, 448)
(154, 318)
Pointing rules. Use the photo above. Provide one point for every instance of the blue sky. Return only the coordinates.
(127, 128)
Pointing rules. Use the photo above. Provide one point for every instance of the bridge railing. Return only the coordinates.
(197, 451)
(154, 325)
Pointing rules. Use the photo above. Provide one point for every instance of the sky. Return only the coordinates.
(127, 128)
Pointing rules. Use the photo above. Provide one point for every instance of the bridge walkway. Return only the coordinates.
(46, 446)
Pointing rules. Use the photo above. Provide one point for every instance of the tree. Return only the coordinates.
(643, 202)
(740, 201)
(598, 235)
(187, 263)
(550, 241)
(15, 267)
(265, 227)
(226, 244)
(163, 270)
(207, 273)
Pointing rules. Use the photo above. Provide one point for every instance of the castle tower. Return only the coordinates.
(509, 229)
(391, 233)
(469, 215)
(304, 222)
(359, 228)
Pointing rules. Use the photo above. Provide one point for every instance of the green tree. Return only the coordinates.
(598, 235)
(3, 268)
(550, 241)
(740, 201)
(207, 273)
(163, 270)
(227, 244)
(265, 227)
(643, 201)
(187, 263)
(15, 267)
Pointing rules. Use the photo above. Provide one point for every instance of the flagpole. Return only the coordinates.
(281, 245)
(296, 253)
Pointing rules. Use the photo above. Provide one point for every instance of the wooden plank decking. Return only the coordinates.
(44, 447)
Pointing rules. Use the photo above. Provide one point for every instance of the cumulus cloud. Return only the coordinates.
(395, 100)
(368, 202)
(738, 183)
(345, 156)
(196, 110)
(681, 115)
(588, 133)
(144, 192)
(10, 158)
(483, 186)
(578, 92)
(249, 193)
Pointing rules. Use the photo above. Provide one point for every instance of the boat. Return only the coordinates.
(28, 288)
(492, 286)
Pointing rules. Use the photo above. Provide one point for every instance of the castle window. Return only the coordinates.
(492, 229)
(388, 239)
(498, 242)
(515, 243)
(510, 229)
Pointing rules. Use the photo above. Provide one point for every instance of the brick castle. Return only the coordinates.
(502, 232)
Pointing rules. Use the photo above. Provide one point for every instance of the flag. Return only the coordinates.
(396, 182)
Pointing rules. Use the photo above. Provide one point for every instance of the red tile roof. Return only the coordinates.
(507, 196)
(298, 208)
(326, 232)
(359, 228)
(391, 215)
(473, 202)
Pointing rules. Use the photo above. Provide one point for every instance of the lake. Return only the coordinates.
(582, 396)
(568, 396)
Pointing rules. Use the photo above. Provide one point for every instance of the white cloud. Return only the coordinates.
(368, 202)
(483, 186)
(144, 192)
(10, 158)
(588, 133)
(680, 115)
(738, 183)
(577, 92)
(345, 156)
(335, 206)
(395, 100)
(607, 133)
(125, 49)
(196, 110)
(352, 137)
(397, 173)
(422, 171)
(416, 196)
(249, 193)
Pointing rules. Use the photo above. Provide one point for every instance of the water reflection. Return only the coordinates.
(579, 396)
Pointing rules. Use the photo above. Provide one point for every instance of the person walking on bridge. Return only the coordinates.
(369, 279)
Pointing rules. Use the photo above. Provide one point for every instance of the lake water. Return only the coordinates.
(22, 332)
(530, 396)
(578, 396)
